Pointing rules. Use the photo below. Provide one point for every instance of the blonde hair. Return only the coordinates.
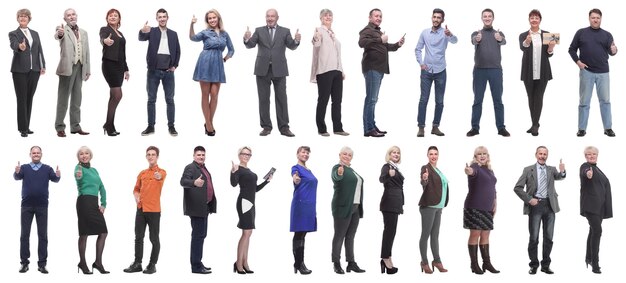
(478, 150)
(391, 149)
(591, 148)
(220, 24)
(244, 148)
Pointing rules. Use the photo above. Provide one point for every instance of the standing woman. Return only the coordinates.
(390, 205)
(27, 65)
(434, 198)
(90, 214)
(347, 207)
(480, 208)
(247, 180)
(536, 71)
(114, 67)
(303, 214)
(595, 204)
(210, 66)
(327, 72)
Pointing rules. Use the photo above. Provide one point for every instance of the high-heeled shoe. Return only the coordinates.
(84, 268)
(245, 269)
(302, 268)
(439, 266)
(100, 268)
(206, 132)
(383, 268)
(587, 262)
(426, 268)
(109, 132)
(237, 270)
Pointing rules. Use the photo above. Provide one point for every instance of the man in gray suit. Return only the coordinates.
(540, 204)
(271, 67)
(74, 67)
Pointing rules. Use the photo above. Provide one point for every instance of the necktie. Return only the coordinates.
(542, 191)
(272, 33)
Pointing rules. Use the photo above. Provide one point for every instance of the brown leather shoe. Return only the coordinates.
(61, 134)
(265, 132)
(80, 132)
(286, 132)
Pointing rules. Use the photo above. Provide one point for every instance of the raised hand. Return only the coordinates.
(79, 172)
(392, 171)
(235, 167)
(296, 178)
(18, 168)
(22, 45)
(469, 170)
(146, 28)
(479, 36)
(447, 32)
(401, 41)
(108, 41)
(425, 175)
(247, 35)
(498, 36)
(297, 36)
(157, 175)
(384, 37)
(529, 38)
(613, 48)
(194, 19)
(60, 31)
(317, 36)
(561, 166)
(58, 172)
(198, 182)
(590, 173)
(340, 170)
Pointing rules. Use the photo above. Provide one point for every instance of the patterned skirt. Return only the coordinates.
(476, 219)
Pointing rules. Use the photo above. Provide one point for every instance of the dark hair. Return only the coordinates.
(152, 147)
(439, 11)
(535, 12)
(375, 10)
(488, 10)
(119, 22)
(161, 11)
(305, 148)
(595, 10)
(432, 147)
(199, 148)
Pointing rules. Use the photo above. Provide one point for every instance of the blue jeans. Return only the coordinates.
(41, 214)
(198, 234)
(602, 82)
(481, 77)
(427, 79)
(152, 86)
(540, 213)
(373, 80)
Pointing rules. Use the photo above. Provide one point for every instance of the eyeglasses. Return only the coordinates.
(246, 154)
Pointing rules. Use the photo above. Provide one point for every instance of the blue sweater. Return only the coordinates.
(35, 184)
(595, 48)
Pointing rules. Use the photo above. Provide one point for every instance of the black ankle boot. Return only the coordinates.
(337, 268)
(352, 266)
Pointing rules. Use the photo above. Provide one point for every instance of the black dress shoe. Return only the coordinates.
(286, 132)
(150, 269)
(134, 267)
(533, 270)
(80, 132)
(61, 134)
(24, 268)
(148, 131)
(23, 134)
(42, 269)
(30, 132)
(265, 132)
(547, 270)
(202, 271)
(581, 133)
(174, 133)
(609, 132)
(472, 132)
(337, 268)
(503, 132)
(352, 266)
(374, 133)
(380, 131)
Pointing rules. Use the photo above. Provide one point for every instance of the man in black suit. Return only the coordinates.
(271, 67)
(540, 204)
(198, 201)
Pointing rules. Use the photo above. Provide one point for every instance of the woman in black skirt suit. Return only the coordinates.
(247, 180)
(90, 214)
(114, 67)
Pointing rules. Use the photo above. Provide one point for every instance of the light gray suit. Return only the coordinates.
(271, 67)
(72, 71)
(529, 179)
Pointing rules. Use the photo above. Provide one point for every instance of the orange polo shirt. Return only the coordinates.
(149, 189)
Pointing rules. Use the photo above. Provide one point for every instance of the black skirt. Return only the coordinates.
(113, 72)
(90, 219)
(476, 219)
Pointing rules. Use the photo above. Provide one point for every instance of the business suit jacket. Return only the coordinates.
(393, 196)
(595, 193)
(195, 198)
(526, 186)
(22, 59)
(115, 52)
(271, 52)
(154, 39)
(545, 71)
(432, 188)
(68, 52)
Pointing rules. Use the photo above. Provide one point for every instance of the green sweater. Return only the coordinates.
(90, 184)
(345, 187)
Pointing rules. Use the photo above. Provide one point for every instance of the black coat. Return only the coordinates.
(195, 198)
(393, 196)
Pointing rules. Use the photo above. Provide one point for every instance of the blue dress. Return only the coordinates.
(210, 66)
(303, 215)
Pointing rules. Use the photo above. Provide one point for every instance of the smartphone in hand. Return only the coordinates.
(270, 173)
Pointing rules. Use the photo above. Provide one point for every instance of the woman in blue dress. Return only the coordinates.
(303, 215)
(210, 67)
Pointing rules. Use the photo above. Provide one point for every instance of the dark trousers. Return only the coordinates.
(535, 90)
(329, 85)
(390, 220)
(41, 215)
(263, 84)
(154, 78)
(152, 220)
(481, 77)
(25, 85)
(593, 239)
(540, 213)
(345, 230)
(198, 233)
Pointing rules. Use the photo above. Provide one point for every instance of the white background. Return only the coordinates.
(120, 159)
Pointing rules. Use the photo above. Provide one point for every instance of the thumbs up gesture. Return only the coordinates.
(296, 178)
(528, 39)
(58, 172)
(613, 48)
(297, 36)
(22, 45)
(146, 28)
(60, 31)
(561, 166)
(157, 175)
(198, 182)
(469, 170)
(340, 170)
(317, 36)
(108, 41)
(479, 36)
(247, 35)
(425, 175)
(194, 19)
(392, 171)
(384, 37)
(18, 168)
(447, 32)
(235, 167)
(79, 172)
(590, 173)
(498, 36)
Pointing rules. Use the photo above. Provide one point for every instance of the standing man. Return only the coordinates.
(35, 178)
(74, 68)
(595, 45)
(433, 69)
(488, 68)
(162, 57)
(147, 195)
(271, 67)
(540, 204)
(198, 202)
(374, 65)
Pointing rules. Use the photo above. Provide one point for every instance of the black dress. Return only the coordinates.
(113, 57)
(247, 191)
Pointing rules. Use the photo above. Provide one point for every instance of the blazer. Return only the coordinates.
(195, 198)
(68, 52)
(393, 196)
(432, 188)
(115, 52)
(344, 187)
(271, 53)
(526, 186)
(595, 193)
(22, 59)
(527, 60)
(154, 39)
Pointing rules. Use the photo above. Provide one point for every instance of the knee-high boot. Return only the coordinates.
(484, 251)
(473, 253)
(298, 255)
